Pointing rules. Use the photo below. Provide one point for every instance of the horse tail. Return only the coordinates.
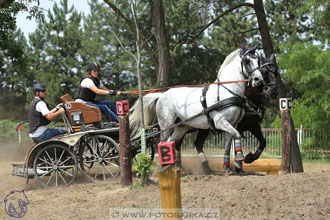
(149, 113)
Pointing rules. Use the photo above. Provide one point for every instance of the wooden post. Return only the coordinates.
(170, 192)
(286, 140)
(285, 106)
(125, 151)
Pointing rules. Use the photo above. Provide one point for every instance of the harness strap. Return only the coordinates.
(233, 101)
(203, 102)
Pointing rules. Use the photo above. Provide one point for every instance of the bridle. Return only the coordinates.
(245, 65)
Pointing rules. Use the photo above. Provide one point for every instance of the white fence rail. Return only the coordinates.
(310, 146)
(214, 145)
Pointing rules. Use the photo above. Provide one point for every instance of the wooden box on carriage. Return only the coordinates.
(80, 113)
(122, 107)
(166, 152)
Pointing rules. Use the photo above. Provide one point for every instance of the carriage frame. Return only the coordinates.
(91, 146)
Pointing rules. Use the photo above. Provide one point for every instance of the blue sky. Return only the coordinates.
(28, 26)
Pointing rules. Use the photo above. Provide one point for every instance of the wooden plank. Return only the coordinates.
(269, 166)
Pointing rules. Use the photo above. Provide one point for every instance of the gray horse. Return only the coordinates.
(225, 102)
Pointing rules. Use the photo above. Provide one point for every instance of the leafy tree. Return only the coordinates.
(306, 69)
(55, 47)
(298, 20)
(14, 78)
(106, 41)
(8, 11)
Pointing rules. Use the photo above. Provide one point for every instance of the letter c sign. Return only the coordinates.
(285, 104)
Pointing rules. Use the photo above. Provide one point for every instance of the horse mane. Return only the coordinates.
(228, 60)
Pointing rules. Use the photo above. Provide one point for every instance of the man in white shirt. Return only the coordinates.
(40, 116)
(90, 86)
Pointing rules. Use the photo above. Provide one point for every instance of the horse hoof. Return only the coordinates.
(238, 165)
(206, 168)
(239, 157)
(178, 165)
(228, 172)
(239, 171)
(249, 158)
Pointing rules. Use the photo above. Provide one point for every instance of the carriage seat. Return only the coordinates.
(79, 113)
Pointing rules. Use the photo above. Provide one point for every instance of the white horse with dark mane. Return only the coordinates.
(178, 110)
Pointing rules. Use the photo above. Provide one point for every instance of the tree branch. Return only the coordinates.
(133, 29)
(182, 40)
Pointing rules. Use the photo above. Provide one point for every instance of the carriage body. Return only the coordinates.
(92, 146)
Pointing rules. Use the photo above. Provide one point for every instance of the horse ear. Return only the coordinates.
(253, 49)
(272, 58)
(243, 49)
(263, 59)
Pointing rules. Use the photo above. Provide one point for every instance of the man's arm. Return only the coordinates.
(103, 90)
(52, 115)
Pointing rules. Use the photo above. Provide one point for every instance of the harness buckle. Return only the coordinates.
(202, 98)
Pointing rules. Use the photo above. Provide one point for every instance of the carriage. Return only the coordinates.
(91, 146)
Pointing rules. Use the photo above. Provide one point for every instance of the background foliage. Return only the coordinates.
(65, 40)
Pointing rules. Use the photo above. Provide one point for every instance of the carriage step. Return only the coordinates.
(19, 169)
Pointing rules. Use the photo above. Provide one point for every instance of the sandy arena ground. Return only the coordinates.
(252, 196)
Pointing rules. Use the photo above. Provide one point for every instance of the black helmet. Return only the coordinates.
(93, 66)
(39, 87)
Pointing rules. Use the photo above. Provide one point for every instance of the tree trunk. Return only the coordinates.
(268, 48)
(158, 20)
(296, 162)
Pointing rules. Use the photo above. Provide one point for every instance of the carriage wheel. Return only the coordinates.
(55, 165)
(99, 158)
(151, 148)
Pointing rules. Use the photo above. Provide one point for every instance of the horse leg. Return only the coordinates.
(178, 153)
(226, 126)
(256, 131)
(200, 139)
(226, 158)
(177, 136)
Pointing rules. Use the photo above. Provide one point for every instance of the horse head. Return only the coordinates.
(250, 65)
(269, 72)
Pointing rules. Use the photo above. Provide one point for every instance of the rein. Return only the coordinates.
(147, 91)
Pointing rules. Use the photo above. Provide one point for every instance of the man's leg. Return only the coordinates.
(104, 106)
(49, 133)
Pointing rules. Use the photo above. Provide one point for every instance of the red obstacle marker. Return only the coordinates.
(122, 107)
(166, 151)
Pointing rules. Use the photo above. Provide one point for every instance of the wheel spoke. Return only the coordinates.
(65, 161)
(89, 161)
(51, 175)
(109, 171)
(45, 161)
(97, 171)
(62, 177)
(55, 154)
(56, 178)
(115, 165)
(49, 158)
(91, 168)
(59, 159)
(103, 173)
(66, 172)
(46, 173)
